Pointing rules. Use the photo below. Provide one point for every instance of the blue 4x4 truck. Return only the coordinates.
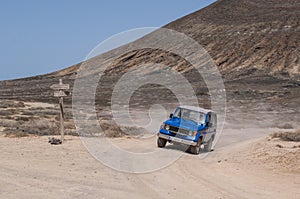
(191, 126)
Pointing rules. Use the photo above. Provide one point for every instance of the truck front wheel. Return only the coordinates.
(161, 142)
(194, 149)
(208, 145)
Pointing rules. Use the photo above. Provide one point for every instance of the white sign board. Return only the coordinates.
(60, 94)
(60, 87)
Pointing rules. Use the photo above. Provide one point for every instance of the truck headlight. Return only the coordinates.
(167, 127)
(192, 133)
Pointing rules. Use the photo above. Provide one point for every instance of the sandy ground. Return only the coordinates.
(32, 168)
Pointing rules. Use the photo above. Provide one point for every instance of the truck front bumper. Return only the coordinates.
(176, 139)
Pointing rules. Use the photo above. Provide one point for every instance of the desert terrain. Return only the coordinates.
(252, 168)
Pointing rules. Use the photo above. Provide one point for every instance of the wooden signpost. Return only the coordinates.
(61, 91)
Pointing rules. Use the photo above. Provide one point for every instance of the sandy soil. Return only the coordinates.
(32, 168)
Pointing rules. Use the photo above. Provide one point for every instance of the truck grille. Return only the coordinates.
(179, 130)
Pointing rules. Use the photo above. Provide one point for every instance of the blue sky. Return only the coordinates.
(39, 36)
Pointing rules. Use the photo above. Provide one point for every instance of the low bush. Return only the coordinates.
(285, 126)
(288, 136)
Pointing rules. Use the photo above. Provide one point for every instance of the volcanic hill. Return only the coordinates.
(254, 43)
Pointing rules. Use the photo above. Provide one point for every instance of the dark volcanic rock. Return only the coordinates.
(248, 37)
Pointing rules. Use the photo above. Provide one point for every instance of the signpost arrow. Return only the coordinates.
(60, 87)
(60, 94)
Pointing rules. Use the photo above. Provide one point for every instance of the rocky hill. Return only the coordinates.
(248, 37)
(254, 43)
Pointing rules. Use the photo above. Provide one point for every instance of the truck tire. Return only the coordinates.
(208, 145)
(161, 143)
(194, 149)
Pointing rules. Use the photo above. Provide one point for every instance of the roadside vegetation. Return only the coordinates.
(288, 136)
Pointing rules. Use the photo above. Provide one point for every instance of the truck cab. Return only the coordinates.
(188, 125)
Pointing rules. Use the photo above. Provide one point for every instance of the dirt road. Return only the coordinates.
(31, 168)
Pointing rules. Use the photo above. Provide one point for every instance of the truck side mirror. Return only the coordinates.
(171, 115)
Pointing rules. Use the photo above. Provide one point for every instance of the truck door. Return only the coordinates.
(208, 127)
(211, 126)
(214, 122)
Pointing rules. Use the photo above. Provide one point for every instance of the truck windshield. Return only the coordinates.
(190, 115)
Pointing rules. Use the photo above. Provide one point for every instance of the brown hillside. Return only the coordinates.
(248, 37)
(254, 43)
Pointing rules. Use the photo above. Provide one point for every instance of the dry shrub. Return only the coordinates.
(9, 123)
(111, 130)
(11, 104)
(288, 136)
(134, 131)
(285, 126)
(16, 134)
(33, 126)
(41, 127)
(24, 119)
(7, 112)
